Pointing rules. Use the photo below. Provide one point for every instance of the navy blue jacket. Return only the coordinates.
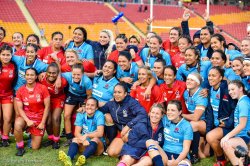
(142, 132)
(99, 53)
(127, 112)
(226, 109)
(185, 27)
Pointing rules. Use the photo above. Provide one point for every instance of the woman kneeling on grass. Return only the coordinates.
(88, 135)
(33, 102)
(178, 135)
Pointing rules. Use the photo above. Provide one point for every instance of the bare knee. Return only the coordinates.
(150, 142)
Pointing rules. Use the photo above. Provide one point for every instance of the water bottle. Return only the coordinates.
(117, 17)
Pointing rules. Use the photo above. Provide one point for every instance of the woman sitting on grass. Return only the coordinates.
(88, 135)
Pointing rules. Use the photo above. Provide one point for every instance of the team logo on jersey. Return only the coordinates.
(38, 98)
(125, 113)
(11, 74)
(165, 96)
(5, 70)
(217, 96)
(159, 137)
(106, 86)
(225, 98)
(176, 130)
(132, 75)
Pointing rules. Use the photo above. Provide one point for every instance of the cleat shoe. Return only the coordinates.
(81, 160)
(5, 143)
(20, 152)
(47, 143)
(64, 158)
(67, 143)
(194, 159)
(55, 145)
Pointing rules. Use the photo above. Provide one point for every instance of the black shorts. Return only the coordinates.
(246, 139)
(74, 99)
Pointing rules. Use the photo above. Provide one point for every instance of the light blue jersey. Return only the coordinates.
(175, 134)
(196, 100)
(22, 67)
(149, 60)
(215, 102)
(246, 82)
(230, 74)
(184, 71)
(85, 51)
(103, 89)
(203, 51)
(232, 54)
(78, 89)
(90, 124)
(242, 110)
(132, 72)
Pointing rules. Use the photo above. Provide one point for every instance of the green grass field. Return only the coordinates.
(49, 157)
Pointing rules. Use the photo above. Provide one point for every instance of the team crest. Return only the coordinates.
(159, 137)
(38, 98)
(125, 113)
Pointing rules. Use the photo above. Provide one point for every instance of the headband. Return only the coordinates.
(193, 77)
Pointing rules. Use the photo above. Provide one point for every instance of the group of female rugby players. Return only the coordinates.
(169, 103)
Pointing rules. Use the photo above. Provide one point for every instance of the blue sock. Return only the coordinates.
(111, 132)
(157, 160)
(73, 149)
(195, 144)
(90, 150)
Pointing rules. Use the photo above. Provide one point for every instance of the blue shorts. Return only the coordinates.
(132, 151)
(169, 154)
(72, 99)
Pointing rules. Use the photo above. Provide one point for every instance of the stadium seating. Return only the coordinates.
(12, 19)
(69, 13)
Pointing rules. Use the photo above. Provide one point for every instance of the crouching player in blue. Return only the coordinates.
(125, 112)
(88, 135)
(135, 147)
(178, 135)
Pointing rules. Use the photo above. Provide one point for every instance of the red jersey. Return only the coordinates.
(115, 54)
(176, 92)
(44, 55)
(4, 43)
(171, 49)
(155, 97)
(21, 52)
(33, 101)
(7, 76)
(177, 60)
(55, 93)
(89, 67)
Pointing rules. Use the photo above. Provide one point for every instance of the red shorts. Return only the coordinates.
(6, 99)
(118, 135)
(56, 103)
(35, 131)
